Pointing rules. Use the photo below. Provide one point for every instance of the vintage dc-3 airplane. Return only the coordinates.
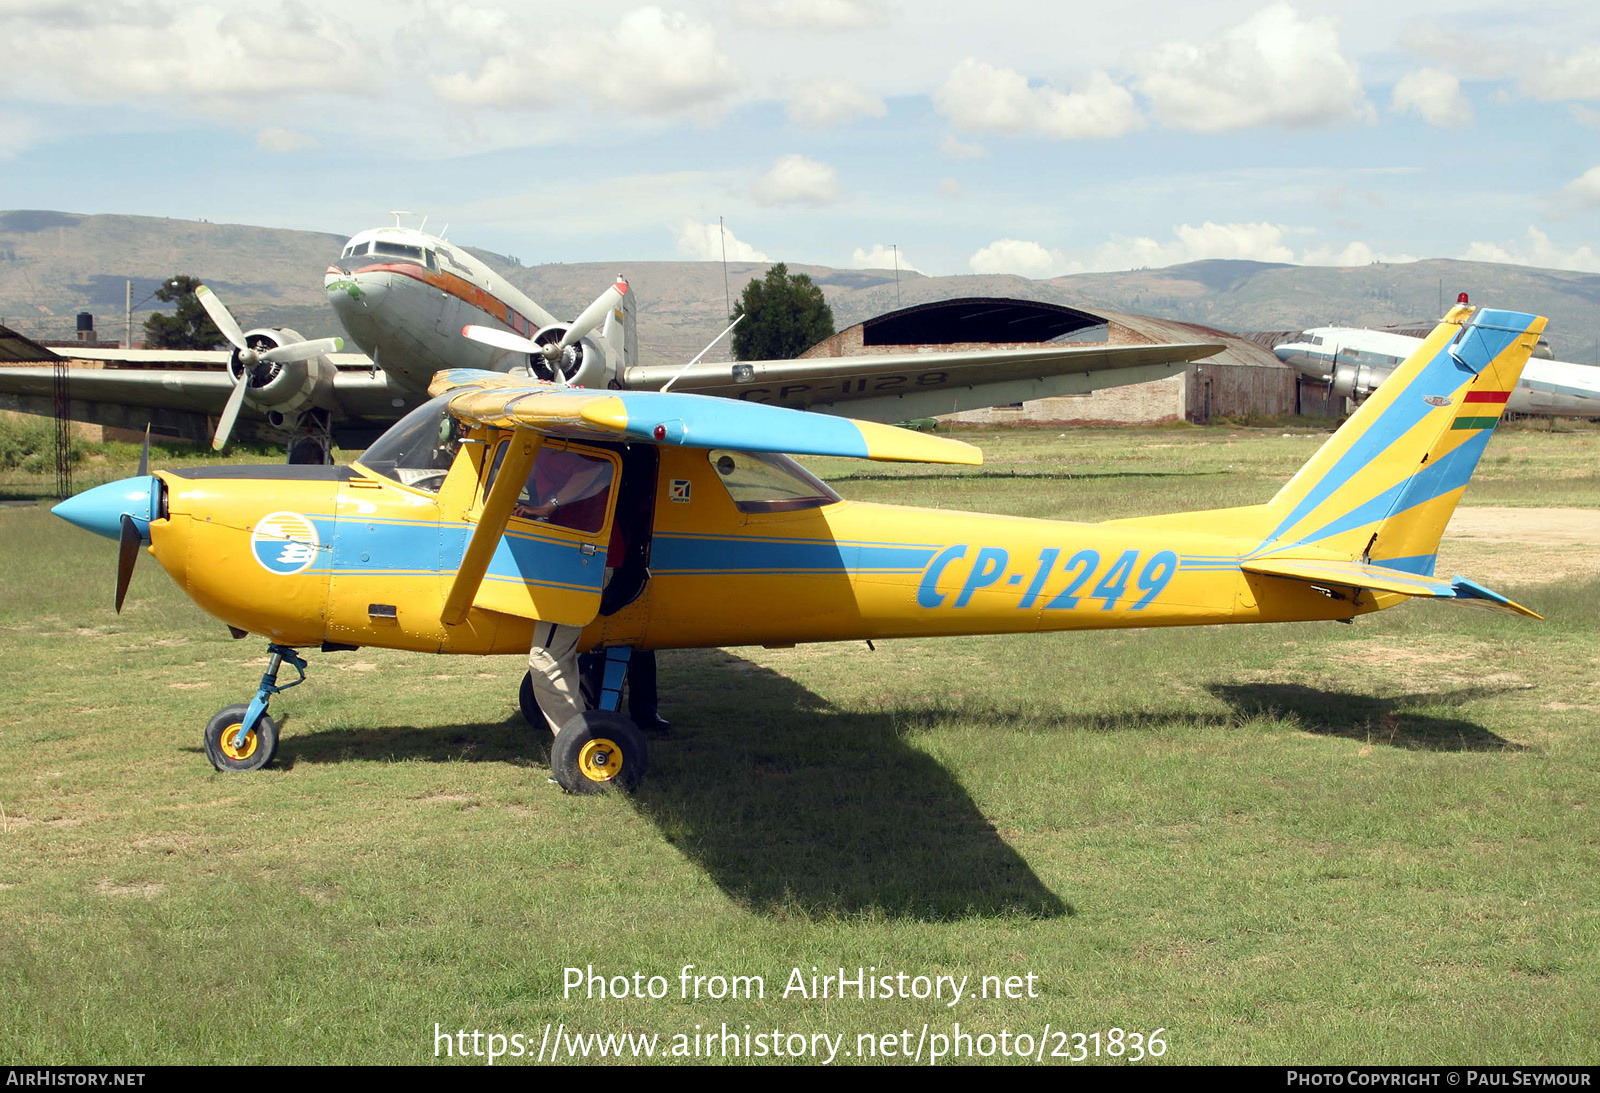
(431, 541)
(406, 297)
(1354, 361)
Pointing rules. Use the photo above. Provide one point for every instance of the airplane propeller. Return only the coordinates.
(128, 537)
(592, 316)
(251, 358)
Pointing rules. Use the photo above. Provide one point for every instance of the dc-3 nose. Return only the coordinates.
(101, 509)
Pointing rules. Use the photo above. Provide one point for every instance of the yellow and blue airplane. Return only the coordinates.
(493, 506)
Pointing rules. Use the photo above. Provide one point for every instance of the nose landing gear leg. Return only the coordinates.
(243, 737)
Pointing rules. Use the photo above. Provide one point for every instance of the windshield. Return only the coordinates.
(418, 449)
(763, 482)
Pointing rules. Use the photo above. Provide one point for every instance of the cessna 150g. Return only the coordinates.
(441, 538)
(406, 297)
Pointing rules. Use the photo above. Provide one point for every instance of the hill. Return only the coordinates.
(55, 264)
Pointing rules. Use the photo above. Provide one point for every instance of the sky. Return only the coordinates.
(1009, 136)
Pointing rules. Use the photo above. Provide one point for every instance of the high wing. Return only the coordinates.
(902, 386)
(687, 420)
(182, 401)
(695, 421)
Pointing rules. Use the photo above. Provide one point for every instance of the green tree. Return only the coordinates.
(784, 316)
(188, 327)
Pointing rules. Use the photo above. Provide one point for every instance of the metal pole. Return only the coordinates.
(127, 312)
(727, 298)
(896, 248)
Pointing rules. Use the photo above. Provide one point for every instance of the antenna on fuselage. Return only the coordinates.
(398, 213)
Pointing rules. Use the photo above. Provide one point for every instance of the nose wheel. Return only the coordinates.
(242, 736)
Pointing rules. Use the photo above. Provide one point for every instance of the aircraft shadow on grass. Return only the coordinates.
(786, 803)
(789, 804)
(1399, 721)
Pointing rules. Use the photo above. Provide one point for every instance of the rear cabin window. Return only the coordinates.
(763, 482)
(566, 487)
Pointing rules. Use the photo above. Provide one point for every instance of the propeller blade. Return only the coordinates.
(230, 414)
(220, 315)
(127, 553)
(500, 339)
(144, 454)
(302, 351)
(595, 313)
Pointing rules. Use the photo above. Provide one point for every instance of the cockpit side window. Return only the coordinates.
(764, 482)
(566, 487)
(418, 449)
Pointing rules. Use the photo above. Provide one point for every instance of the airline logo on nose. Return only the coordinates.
(284, 543)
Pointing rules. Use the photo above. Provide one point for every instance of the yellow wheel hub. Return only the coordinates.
(600, 760)
(232, 751)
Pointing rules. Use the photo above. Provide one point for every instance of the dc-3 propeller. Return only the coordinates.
(251, 359)
(553, 351)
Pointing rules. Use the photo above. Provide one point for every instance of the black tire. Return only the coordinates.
(598, 752)
(261, 745)
(528, 703)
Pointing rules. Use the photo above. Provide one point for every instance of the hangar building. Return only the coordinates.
(1244, 379)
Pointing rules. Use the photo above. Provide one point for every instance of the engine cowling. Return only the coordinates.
(584, 363)
(1355, 381)
(287, 388)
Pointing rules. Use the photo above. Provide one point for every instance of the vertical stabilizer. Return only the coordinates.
(1383, 487)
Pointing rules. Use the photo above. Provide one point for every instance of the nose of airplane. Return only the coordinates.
(101, 509)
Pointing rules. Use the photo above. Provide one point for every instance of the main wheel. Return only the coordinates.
(598, 751)
(260, 745)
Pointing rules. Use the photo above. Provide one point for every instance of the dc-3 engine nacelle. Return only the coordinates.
(284, 388)
(584, 363)
(1355, 381)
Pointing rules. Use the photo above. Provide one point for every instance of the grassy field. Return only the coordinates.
(1317, 843)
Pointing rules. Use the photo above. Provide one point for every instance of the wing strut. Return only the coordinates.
(520, 452)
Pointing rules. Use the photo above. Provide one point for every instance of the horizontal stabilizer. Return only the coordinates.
(690, 421)
(1377, 578)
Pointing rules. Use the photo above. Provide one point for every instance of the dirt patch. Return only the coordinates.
(135, 891)
(1522, 546)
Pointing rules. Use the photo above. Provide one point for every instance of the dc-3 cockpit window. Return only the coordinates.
(567, 488)
(398, 250)
(418, 449)
(761, 482)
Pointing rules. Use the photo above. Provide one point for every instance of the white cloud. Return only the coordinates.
(880, 257)
(949, 187)
(1275, 68)
(16, 134)
(654, 62)
(114, 51)
(1586, 116)
(1021, 257)
(832, 102)
(1258, 242)
(1585, 189)
(952, 148)
(1575, 76)
(1435, 95)
(276, 139)
(1355, 253)
(980, 98)
(797, 180)
(824, 15)
(706, 243)
(1536, 250)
